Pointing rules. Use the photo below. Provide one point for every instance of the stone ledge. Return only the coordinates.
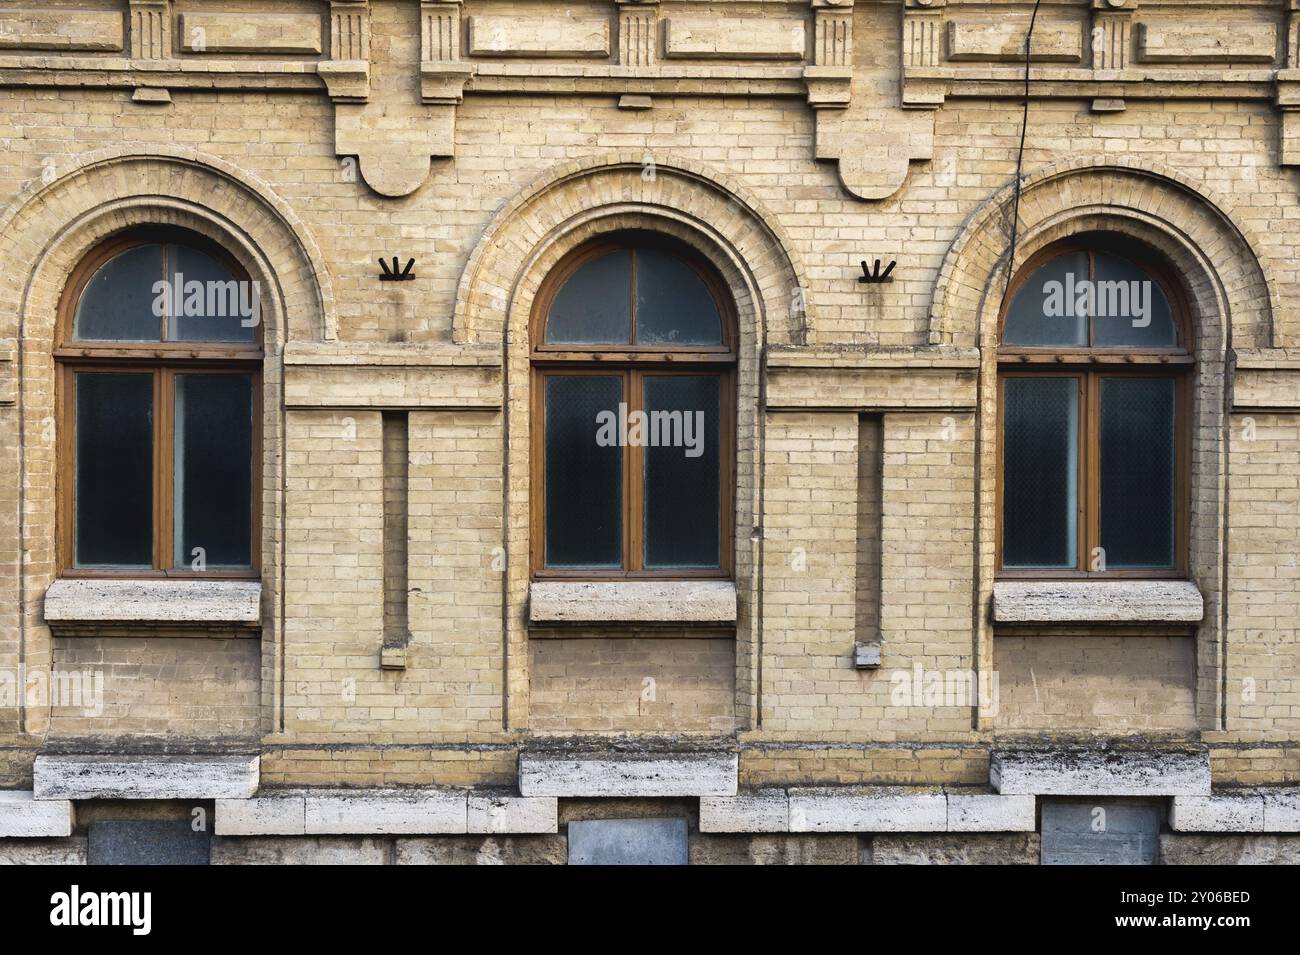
(1249, 810)
(23, 817)
(493, 814)
(145, 777)
(1097, 601)
(272, 815)
(762, 811)
(990, 812)
(883, 809)
(80, 601)
(1099, 773)
(385, 812)
(867, 810)
(646, 774)
(568, 602)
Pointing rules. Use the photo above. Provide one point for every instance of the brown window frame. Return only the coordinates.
(632, 363)
(164, 361)
(1089, 366)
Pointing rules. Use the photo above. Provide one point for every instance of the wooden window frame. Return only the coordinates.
(632, 363)
(163, 361)
(1089, 366)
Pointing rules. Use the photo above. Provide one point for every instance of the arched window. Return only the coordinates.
(1093, 400)
(159, 366)
(633, 402)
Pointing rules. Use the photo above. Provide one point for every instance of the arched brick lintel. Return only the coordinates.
(1215, 254)
(50, 222)
(720, 217)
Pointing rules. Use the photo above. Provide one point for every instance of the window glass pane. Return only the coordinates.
(213, 477)
(1137, 472)
(114, 469)
(673, 305)
(1050, 309)
(595, 305)
(584, 471)
(207, 303)
(1040, 472)
(1131, 309)
(123, 300)
(681, 438)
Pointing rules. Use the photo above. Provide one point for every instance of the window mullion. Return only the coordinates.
(1091, 436)
(164, 434)
(634, 484)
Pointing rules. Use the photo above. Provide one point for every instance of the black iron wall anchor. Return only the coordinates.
(393, 275)
(876, 276)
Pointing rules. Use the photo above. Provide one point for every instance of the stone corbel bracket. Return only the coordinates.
(394, 157)
(1288, 90)
(874, 146)
(346, 73)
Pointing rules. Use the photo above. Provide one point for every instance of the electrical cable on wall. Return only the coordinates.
(1020, 158)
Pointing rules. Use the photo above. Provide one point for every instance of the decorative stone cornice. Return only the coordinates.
(1104, 51)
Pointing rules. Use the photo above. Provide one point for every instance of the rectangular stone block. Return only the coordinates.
(250, 33)
(569, 37)
(642, 774)
(1099, 773)
(704, 601)
(72, 30)
(145, 777)
(72, 601)
(1282, 810)
(262, 816)
(735, 38)
(1207, 41)
(512, 814)
(1004, 41)
(986, 812)
(22, 816)
(70, 851)
(765, 811)
(1097, 601)
(385, 813)
(1235, 812)
(628, 842)
(1079, 833)
(867, 810)
(148, 842)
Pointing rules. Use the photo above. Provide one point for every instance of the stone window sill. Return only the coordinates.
(1097, 601)
(73, 603)
(639, 601)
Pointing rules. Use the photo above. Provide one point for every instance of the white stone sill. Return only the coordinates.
(1097, 601)
(553, 602)
(73, 601)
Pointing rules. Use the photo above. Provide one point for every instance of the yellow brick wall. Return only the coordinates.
(632, 684)
(743, 169)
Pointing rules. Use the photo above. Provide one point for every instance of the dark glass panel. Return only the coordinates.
(1137, 472)
(682, 441)
(1040, 472)
(1046, 312)
(213, 478)
(208, 303)
(124, 300)
(1131, 309)
(595, 305)
(673, 305)
(114, 469)
(584, 471)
